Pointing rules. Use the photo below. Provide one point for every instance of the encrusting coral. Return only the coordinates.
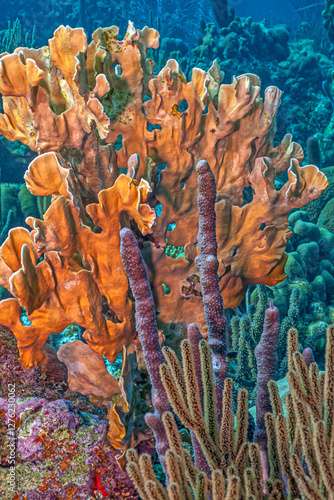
(63, 439)
(72, 103)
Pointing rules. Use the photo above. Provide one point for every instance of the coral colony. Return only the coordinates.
(163, 238)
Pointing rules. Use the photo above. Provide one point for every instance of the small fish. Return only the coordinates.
(152, 63)
(179, 75)
(230, 356)
(185, 436)
(175, 110)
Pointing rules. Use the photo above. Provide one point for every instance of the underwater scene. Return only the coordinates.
(167, 250)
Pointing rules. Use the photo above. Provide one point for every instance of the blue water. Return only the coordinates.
(181, 17)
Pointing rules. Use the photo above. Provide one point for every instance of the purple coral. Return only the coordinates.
(266, 359)
(148, 334)
(308, 356)
(69, 447)
(208, 266)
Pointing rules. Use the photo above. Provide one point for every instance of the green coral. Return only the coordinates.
(12, 37)
(328, 19)
(174, 252)
(245, 334)
(28, 202)
(8, 199)
(115, 103)
(315, 207)
(326, 217)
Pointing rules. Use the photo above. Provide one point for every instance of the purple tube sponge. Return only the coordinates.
(308, 356)
(266, 359)
(148, 334)
(208, 266)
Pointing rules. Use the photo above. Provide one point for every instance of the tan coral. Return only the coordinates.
(87, 372)
(48, 129)
(90, 108)
(59, 290)
(46, 176)
(88, 375)
(63, 305)
(16, 122)
(16, 78)
(64, 47)
(247, 254)
(11, 249)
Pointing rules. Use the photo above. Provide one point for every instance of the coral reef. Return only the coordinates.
(241, 40)
(63, 450)
(117, 145)
(302, 304)
(297, 66)
(304, 300)
(238, 467)
(310, 269)
(314, 208)
(328, 19)
(243, 46)
(171, 19)
(71, 102)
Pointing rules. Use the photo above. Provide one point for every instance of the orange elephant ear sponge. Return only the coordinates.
(114, 140)
(81, 279)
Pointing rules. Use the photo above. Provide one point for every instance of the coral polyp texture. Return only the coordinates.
(115, 141)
